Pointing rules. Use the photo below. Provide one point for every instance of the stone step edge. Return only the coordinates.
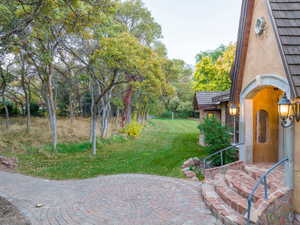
(256, 173)
(244, 193)
(210, 173)
(226, 214)
(230, 196)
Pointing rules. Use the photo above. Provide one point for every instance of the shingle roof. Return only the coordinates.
(286, 22)
(206, 97)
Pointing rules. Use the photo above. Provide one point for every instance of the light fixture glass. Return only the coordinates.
(233, 110)
(285, 108)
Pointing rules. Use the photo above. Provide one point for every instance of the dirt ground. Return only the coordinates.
(10, 215)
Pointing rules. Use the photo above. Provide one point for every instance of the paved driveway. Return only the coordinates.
(127, 199)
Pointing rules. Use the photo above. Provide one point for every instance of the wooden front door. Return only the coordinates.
(266, 125)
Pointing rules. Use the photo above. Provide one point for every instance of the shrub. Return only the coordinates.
(133, 129)
(217, 137)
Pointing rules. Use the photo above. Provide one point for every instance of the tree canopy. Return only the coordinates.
(213, 74)
(96, 58)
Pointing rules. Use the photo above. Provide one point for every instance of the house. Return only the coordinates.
(213, 103)
(266, 88)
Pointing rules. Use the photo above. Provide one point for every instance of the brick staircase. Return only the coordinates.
(226, 189)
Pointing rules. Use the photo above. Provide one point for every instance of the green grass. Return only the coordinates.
(161, 150)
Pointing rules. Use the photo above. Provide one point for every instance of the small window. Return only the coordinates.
(262, 126)
(210, 115)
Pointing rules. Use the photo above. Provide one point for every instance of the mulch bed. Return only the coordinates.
(10, 215)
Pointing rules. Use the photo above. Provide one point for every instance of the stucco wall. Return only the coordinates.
(297, 168)
(263, 56)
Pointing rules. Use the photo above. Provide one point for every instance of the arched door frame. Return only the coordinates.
(246, 121)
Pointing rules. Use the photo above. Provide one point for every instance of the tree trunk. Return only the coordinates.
(92, 110)
(27, 102)
(126, 117)
(6, 112)
(52, 111)
(71, 108)
(28, 119)
(106, 110)
(93, 129)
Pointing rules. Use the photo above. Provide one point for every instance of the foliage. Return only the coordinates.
(137, 20)
(217, 137)
(133, 129)
(149, 154)
(177, 96)
(12, 109)
(213, 54)
(211, 75)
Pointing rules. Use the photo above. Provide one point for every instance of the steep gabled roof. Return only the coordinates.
(205, 98)
(241, 49)
(285, 17)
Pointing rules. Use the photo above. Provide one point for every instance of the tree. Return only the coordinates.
(179, 92)
(48, 33)
(213, 75)
(137, 20)
(213, 54)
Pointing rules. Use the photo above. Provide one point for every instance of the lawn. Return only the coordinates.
(160, 150)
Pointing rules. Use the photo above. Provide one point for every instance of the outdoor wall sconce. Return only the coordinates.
(289, 112)
(233, 111)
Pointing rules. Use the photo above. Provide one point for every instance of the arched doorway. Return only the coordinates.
(259, 123)
(266, 130)
(246, 126)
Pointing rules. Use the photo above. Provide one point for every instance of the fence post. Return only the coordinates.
(222, 161)
(266, 187)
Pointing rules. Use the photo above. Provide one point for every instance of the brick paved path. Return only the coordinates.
(108, 200)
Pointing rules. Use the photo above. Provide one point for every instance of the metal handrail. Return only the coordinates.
(221, 153)
(262, 180)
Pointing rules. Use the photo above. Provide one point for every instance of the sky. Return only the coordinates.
(191, 26)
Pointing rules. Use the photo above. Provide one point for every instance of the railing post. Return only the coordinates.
(266, 187)
(222, 162)
(249, 210)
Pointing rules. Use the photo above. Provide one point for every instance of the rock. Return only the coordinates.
(39, 205)
(195, 178)
(191, 162)
(185, 169)
(190, 174)
(10, 163)
(197, 161)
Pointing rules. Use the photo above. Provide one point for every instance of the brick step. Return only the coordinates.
(220, 208)
(243, 184)
(228, 195)
(275, 179)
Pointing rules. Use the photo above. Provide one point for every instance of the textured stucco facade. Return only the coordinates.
(263, 56)
(263, 59)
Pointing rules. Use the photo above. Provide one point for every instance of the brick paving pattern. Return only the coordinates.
(127, 199)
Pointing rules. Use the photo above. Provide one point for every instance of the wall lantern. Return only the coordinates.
(288, 111)
(233, 110)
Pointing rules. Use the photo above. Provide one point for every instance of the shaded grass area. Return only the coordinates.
(161, 150)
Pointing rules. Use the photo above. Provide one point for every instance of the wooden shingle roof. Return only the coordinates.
(205, 99)
(286, 23)
(285, 17)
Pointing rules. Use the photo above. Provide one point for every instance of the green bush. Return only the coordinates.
(217, 137)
